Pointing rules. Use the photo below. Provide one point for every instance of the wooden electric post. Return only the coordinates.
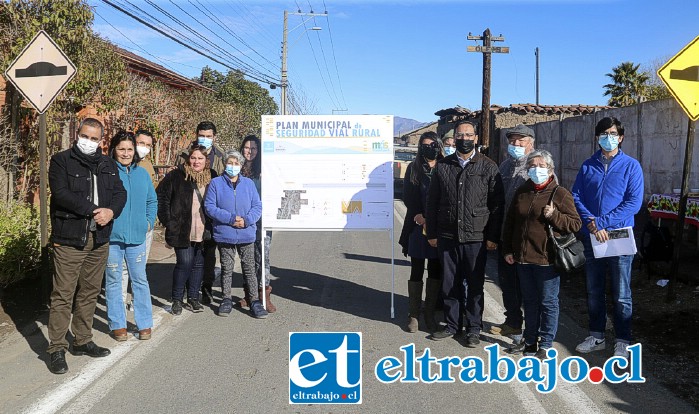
(486, 49)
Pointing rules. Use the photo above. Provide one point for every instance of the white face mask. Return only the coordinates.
(142, 151)
(87, 146)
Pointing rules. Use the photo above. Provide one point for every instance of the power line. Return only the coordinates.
(332, 47)
(173, 38)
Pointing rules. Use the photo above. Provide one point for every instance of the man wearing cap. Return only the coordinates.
(514, 174)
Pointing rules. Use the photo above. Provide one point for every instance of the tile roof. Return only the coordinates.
(457, 110)
(578, 109)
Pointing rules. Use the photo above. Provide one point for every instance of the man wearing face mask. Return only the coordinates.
(463, 214)
(86, 195)
(514, 173)
(206, 136)
(608, 192)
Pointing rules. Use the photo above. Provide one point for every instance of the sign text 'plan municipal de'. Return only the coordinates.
(41, 71)
(681, 76)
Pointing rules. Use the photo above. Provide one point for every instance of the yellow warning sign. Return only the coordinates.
(681, 76)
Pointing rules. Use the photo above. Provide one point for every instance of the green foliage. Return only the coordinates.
(20, 251)
(629, 85)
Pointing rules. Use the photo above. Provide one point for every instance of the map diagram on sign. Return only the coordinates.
(291, 204)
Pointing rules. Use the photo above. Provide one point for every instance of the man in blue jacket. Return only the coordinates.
(608, 192)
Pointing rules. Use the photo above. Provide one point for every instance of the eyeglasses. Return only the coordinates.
(431, 145)
(462, 135)
(611, 134)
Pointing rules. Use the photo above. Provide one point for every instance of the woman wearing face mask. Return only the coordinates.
(181, 211)
(415, 186)
(127, 242)
(538, 203)
(250, 148)
(234, 206)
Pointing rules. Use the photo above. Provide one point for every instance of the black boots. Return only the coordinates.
(414, 304)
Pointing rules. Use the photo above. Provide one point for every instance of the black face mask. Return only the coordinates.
(465, 146)
(429, 152)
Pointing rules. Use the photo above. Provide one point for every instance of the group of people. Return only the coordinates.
(103, 212)
(460, 204)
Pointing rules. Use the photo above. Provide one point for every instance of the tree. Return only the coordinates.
(656, 88)
(629, 87)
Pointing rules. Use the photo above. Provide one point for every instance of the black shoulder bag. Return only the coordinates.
(207, 233)
(567, 249)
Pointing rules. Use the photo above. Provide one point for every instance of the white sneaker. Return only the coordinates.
(620, 350)
(590, 344)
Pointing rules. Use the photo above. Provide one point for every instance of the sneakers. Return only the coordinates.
(443, 334)
(472, 340)
(257, 310)
(194, 305)
(225, 308)
(517, 346)
(504, 330)
(529, 350)
(620, 350)
(176, 307)
(58, 363)
(590, 344)
(541, 353)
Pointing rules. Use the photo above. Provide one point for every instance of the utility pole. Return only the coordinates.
(536, 53)
(486, 49)
(285, 78)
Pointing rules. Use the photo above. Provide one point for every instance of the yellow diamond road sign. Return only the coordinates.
(41, 71)
(681, 76)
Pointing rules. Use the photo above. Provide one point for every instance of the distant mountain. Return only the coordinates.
(403, 125)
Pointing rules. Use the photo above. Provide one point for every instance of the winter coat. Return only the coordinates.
(525, 233)
(612, 196)
(415, 200)
(465, 204)
(71, 184)
(175, 207)
(138, 215)
(223, 202)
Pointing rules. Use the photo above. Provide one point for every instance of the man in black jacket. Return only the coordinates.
(86, 195)
(463, 215)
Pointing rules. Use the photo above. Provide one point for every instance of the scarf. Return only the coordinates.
(89, 161)
(201, 179)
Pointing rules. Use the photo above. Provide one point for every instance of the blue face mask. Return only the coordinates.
(538, 175)
(608, 142)
(449, 150)
(515, 151)
(232, 170)
(205, 142)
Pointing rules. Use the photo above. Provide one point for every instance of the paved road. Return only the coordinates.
(325, 281)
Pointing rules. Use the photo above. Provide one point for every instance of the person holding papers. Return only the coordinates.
(608, 192)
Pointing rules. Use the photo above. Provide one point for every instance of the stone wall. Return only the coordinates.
(655, 133)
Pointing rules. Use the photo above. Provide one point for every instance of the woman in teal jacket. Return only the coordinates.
(128, 241)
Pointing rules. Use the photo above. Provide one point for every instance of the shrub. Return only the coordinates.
(20, 250)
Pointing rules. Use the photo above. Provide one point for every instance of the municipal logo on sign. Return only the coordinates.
(41, 71)
(325, 367)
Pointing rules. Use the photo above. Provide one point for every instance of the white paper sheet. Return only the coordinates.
(621, 242)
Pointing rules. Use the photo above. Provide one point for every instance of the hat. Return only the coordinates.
(520, 129)
(448, 134)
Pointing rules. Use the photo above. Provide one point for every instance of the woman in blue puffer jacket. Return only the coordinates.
(127, 242)
(234, 206)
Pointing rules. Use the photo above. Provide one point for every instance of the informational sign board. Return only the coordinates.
(681, 76)
(41, 71)
(327, 172)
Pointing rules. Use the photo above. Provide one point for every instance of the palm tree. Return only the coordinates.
(629, 87)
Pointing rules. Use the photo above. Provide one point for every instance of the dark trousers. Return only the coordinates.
(417, 269)
(209, 265)
(511, 291)
(463, 276)
(80, 269)
(189, 270)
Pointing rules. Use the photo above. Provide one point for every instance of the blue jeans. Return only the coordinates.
(540, 285)
(189, 270)
(135, 258)
(619, 269)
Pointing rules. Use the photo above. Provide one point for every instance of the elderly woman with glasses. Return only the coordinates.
(538, 203)
(234, 206)
(181, 211)
(415, 187)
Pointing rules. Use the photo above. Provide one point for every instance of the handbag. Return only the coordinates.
(207, 233)
(568, 250)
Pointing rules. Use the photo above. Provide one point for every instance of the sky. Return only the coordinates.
(408, 58)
